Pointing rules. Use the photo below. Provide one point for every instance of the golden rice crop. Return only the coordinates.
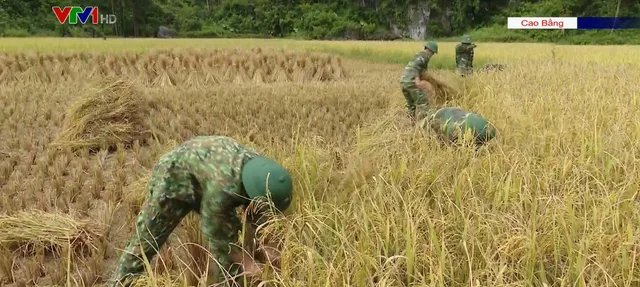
(168, 68)
(377, 202)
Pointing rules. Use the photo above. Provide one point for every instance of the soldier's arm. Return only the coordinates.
(220, 227)
(268, 249)
(422, 64)
(159, 216)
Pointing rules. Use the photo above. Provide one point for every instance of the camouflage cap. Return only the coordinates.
(261, 174)
(432, 45)
(466, 39)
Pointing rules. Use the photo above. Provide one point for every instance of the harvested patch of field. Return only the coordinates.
(552, 201)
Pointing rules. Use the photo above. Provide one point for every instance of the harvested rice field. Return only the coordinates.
(552, 201)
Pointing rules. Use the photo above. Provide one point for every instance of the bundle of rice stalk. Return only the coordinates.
(326, 59)
(50, 57)
(177, 77)
(32, 60)
(164, 63)
(19, 57)
(147, 75)
(251, 71)
(176, 65)
(301, 62)
(28, 228)
(298, 74)
(230, 74)
(309, 63)
(66, 72)
(186, 62)
(441, 91)
(134, 75)
(134, 71)
(131, 60)
(115, 113)
(213, 77)
(209, 62)
(164, 80)
(197, 57)
(240, 77)
(279, 75)
(16, 67)
(291, 63)
(41, 60)
(324, 74)
(338, 70)
(259, 77)
(7, 76)
(192, 80)
(42, 74)
(110, 59)
(31, 76)
(307, 73)
(49, 69)
(117, 68)
(282, 63)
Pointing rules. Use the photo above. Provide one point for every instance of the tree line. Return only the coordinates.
(317, 19)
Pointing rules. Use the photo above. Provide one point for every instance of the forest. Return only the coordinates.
(321, 19)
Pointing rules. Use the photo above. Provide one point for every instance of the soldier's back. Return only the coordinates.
(414, 67)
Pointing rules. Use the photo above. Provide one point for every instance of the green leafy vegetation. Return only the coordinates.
(323, 20)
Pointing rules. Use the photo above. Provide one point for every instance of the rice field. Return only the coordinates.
(553, 201)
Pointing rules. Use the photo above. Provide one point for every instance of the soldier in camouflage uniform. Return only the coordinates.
(464, 56)
(412, 88)
(211, 176)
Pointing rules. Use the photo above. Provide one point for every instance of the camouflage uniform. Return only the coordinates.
(464, 56)
(493, 67)
(414, 95)
(203, 175)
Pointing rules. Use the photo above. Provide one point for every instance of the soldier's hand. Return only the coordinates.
(250, 267)
(424, 85)
(272, 254)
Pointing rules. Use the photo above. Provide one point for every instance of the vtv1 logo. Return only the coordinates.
(76, 13)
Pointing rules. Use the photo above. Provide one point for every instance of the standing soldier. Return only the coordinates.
(411, 84)
(464, 56)
(211, 176)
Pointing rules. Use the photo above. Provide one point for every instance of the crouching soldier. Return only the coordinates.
(211, 176)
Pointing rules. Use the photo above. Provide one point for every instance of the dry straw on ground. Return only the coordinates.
(114, 113)
(52, 230)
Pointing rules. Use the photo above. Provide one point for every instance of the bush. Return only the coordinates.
(15, 32)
